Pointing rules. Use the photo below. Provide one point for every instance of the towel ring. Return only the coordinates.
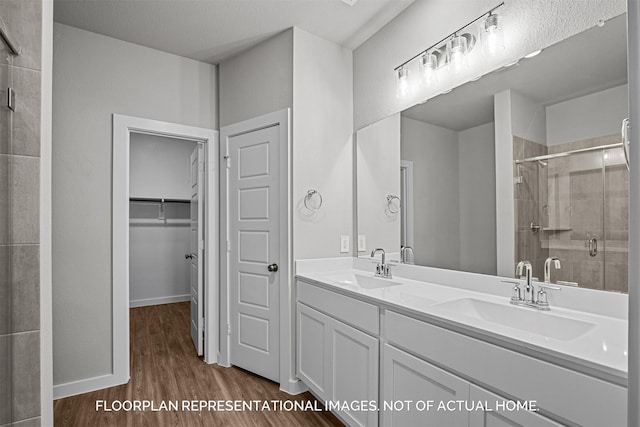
(308, 200)
(391, 205)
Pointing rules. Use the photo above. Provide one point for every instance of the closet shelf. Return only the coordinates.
(158, 200)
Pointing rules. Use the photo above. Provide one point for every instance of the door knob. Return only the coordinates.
(188, 256)
(272, 268)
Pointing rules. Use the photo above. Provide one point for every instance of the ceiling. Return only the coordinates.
(211, 30)
(589, 62)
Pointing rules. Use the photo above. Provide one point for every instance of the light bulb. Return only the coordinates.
(428, 67)
(402, 82)
(492, 34)
(458, 53)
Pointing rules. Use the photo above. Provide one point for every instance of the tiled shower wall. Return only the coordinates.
(19, 216)
(571, 200)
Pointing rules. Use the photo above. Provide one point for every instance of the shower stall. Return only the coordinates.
(572, 202)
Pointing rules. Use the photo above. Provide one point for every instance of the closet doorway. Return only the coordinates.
(165, 227)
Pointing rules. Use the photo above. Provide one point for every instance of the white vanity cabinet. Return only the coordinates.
(417, 384)
(337, 361)
(352, 350)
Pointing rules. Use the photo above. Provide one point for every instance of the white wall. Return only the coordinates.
(529, 25)
(378, 154)
(528, 119)
(258, 81)
(158, 272)
(160, 167)
(95, 76)
(505, 209)
(477, 192)
(322, 145)
(434, 152)
(597, 114)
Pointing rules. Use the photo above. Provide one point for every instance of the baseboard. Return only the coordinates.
(85, 386)
(157, 301)
(293, 387)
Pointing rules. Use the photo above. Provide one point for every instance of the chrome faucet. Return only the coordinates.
(530, 299)
(547, 267)
(404, 259)
(528, 290)
(382, 269)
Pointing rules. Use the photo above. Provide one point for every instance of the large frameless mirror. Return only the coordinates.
(426, 177)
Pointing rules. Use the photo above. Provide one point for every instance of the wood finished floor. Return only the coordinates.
(164, 366)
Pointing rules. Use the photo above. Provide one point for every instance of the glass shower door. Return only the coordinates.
(616, 220)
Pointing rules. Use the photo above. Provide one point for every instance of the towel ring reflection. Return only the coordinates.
(391, 206)
(313, 200)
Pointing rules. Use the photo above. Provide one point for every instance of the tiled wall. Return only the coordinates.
(572, 200)
(19, 216)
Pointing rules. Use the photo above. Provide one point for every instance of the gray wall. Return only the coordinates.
(477, 179)
(95, 76)
(543, 22)
(19, 219)
(434, 152)
(322, 145)
(258, 81)
(378, 153)
(597, 114)
(160, 167)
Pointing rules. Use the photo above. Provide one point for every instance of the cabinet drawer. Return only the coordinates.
(568, 394)
(360, 314)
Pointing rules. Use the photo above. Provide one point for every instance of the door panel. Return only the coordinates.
(408, 378)
(254, 245)
(197, 249)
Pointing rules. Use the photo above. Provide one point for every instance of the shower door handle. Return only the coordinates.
(625, 140)
(593, 246)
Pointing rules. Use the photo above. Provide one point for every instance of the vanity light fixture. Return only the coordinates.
(428, 67)
(492, 34)
(402, 82)
(452, 50)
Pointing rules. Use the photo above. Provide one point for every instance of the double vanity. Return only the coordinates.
(433, 347)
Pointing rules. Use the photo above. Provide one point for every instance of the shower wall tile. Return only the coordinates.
(26, 119)
(32, 422)
(588, 274)
(615, 276)
(25, 288)
(586, 185)
(26, 375)
(5, 380)
(616, 214)
(23, 21)
(19, 199)
(617, 181)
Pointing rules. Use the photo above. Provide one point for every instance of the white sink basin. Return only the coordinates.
(520, 318)
(362, 281)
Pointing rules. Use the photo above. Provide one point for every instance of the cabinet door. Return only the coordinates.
(314, 350)
(354, 374)
(407, 378)
(499, 417)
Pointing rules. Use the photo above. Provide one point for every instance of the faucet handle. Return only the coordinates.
(542, 300)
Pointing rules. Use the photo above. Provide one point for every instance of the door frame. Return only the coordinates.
(407, 201)
(288, 381)
(123, 127)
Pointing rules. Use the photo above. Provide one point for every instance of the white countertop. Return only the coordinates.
(600, 349)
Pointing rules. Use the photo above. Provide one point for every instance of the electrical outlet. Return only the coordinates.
(344, 244)
(362, 243)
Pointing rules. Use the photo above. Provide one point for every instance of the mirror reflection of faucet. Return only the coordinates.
(405, 258)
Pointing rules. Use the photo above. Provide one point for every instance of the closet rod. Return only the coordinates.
(158, 200)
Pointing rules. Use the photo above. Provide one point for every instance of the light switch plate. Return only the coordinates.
(362, 243)
(344, 244)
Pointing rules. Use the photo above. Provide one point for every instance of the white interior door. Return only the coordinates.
(196, 257)
(254, 250)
